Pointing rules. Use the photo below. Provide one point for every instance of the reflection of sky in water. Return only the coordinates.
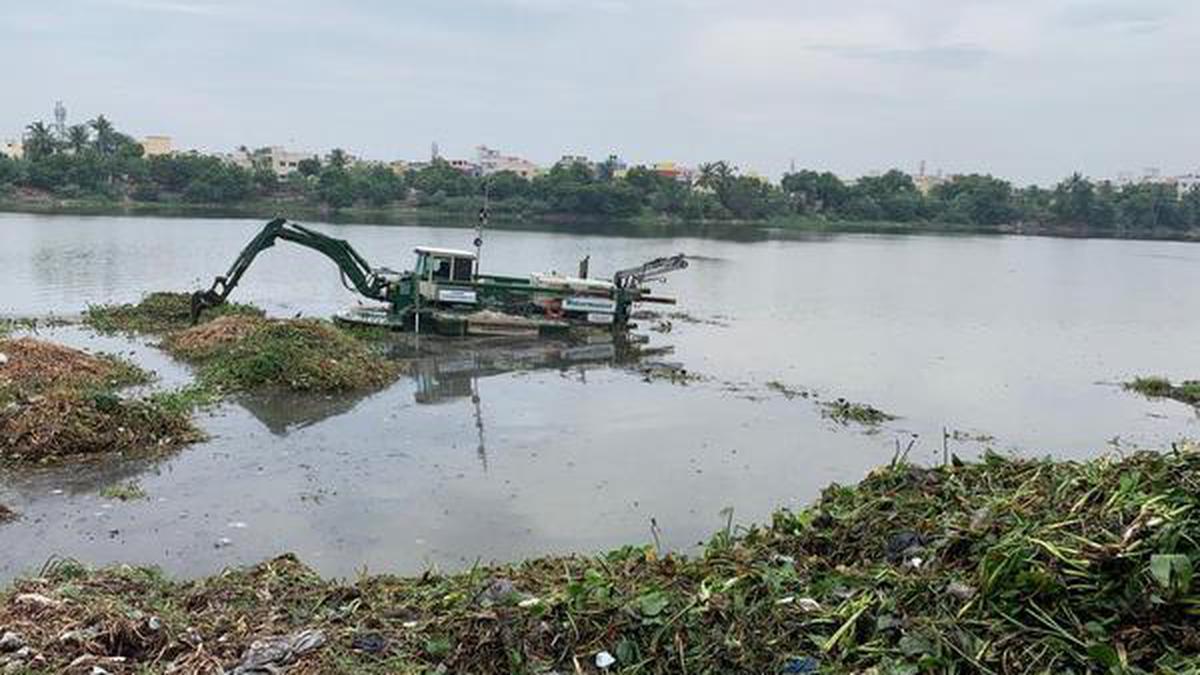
(1007, 336)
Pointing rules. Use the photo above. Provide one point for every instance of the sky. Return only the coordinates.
(1030, 90)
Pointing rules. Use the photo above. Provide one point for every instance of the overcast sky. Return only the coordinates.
(1027, 89)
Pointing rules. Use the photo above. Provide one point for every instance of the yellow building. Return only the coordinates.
(156, 146)
(12, 149)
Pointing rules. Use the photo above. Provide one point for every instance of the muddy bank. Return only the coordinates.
(1001, 565)
(57, 402)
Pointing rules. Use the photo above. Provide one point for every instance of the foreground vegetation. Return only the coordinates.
(1002, 566)
(98, 164)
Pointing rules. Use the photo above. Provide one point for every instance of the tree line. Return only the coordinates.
(95, 160)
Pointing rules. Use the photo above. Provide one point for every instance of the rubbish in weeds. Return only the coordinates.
(371, 643)
(604, 660)
(1187, 391)
(802, 665)
(269, 654)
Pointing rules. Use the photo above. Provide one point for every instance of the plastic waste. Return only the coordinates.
(801, 665)
(604, 660)
(265, 655)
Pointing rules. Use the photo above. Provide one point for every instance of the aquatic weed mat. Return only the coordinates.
(240, 353)
(158, 313)
(1003, 566)
(58, 402)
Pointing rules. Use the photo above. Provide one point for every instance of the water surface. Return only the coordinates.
(496, 453)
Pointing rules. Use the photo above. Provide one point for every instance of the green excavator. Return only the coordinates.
(445, 292)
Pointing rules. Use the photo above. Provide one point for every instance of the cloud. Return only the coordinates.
(1140, 17)
(942, 56)
(170, 6)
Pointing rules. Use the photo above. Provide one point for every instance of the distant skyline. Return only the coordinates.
(1030, 90)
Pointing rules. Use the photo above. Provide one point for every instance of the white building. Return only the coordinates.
(281, 160)
(1187, 182)
(491, 161)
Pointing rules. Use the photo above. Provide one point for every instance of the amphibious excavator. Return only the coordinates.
(446, 293)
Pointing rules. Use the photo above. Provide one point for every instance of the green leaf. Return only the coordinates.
(438, 646)
(1105, 655)
(1172, 571)
(652, 604)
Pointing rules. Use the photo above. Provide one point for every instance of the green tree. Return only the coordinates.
(310, 166)
(39, 142)
(338, 158)
(78, 137)
(977, 199)
(106, 135)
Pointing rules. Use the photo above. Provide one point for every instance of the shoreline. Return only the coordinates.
(1062, 565)
(646, 226)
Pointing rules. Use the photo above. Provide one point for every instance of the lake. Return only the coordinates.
(498, 452)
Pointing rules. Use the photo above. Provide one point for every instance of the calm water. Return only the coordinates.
(496, 453)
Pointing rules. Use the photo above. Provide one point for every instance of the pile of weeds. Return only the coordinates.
(58, 402)
(243, 353)
(1187, 391)
(999, 566)
(159, 312)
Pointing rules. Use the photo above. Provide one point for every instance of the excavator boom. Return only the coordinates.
(352, 266)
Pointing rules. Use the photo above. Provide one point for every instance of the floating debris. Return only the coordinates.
(1187, 391)
(7, 514)
(844, 412)
(787, 391)
(125, 492)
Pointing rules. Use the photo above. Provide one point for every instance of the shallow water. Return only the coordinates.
(500, 452)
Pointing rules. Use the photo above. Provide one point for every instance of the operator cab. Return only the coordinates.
(444, 265)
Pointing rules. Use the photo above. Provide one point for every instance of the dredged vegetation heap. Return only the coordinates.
(237, 349)
(1006, 566)
(57, 403)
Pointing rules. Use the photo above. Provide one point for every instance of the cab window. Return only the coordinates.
(441, 269)
(462, 269)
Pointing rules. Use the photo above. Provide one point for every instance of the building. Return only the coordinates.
(13, 149)
(465, 166)
(674, 171)
(925, 182)
(491, 161)
(1187, 182)
(567, 160)
(280, 160)
(156, 146)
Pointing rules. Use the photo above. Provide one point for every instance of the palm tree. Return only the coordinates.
(78, 137)
(39, 141)
(106, 135)
(338, 158)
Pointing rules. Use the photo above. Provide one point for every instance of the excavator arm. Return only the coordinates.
(635, 277)
(352, 266)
